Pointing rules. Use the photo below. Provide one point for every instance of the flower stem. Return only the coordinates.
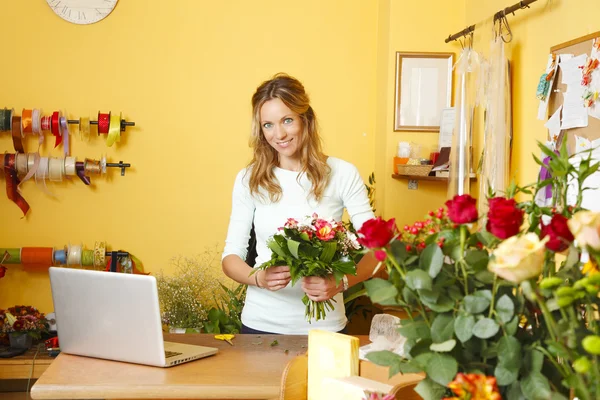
(463, 243)
(395, 264)
(494, 290)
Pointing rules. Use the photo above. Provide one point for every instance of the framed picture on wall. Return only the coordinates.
(423, 90)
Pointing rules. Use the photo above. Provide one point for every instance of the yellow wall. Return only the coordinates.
(185, 74)
(546, 24)
(418, 27)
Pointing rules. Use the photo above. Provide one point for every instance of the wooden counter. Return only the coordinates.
(25, 366)
(251, 369)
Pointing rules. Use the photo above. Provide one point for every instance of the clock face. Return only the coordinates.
(82, 11)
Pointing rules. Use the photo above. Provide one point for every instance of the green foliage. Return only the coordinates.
(537, 340)
(225, 316)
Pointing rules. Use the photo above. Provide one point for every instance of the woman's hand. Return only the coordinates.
(274, 278)
(320, 289)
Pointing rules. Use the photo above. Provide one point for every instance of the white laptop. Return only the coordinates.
(114, 316)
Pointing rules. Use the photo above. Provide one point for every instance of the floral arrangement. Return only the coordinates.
(23, 319)
(314, 247)
(187, 296)
(503, 304)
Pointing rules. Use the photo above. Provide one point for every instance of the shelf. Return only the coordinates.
(425, 178)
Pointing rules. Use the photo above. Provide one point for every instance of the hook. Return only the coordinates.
(510, 35)
(462, 42)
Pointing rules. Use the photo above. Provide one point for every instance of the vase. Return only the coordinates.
(20, 340)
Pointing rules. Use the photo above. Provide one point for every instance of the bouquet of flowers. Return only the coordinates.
(24, 319)
(504, 303)
(314, 247)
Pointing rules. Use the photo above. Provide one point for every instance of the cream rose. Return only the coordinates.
(585, 226)
(519, 258)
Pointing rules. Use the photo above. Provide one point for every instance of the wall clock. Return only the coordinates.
(82, 12)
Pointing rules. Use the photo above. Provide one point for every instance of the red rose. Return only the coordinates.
(2, 271)
(559, 233)
(462, 209)
(376, 233)
(504, 218)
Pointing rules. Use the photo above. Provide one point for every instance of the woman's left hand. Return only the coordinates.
(320, 289)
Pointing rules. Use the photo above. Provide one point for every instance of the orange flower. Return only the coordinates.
(474, 387)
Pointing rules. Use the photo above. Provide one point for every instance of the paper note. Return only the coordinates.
(553, 124)
(543, 107)
(571, 71)
(574, 113)
(446, 127)
(594, 110)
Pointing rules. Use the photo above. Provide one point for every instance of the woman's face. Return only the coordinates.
(283, 130)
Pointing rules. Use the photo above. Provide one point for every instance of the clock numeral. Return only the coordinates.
(64, 10)
(56, 5)
(81, 15)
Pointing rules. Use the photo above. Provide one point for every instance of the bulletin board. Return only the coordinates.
(592, 131)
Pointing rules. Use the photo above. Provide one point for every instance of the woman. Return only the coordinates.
(289, 177)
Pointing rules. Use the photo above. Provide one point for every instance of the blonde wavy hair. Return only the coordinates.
(312, 160)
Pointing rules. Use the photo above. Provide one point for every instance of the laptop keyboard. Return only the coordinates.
(169, 354)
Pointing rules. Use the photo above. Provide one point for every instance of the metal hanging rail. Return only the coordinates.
(499, 15)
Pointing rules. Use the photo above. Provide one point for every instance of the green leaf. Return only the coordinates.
(276, 247)
(485, 328)
(455, 293)
(293, 247)
(443, 347)
(463, 327)
(443, 304)
(534, 360)
(514, 392)
(441, 368)
(477, 259)
(329, 249)
(442, 328)
(512, 326)
(399, 252)
(557, 349)
(429, 390)
(476, 304)
(384, 358)
(414, 329)
(509, 352)
(418, 279)
(535, 386)
(431, 296)
(505, 376)
(505, 308)
(432, 260)
(485, 277)
(381, 291)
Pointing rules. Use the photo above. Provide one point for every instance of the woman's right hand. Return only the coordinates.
(274, 278)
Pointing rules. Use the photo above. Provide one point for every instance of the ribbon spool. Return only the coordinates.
(87, 258)
(100, 255)
(103, 123)
(36, 124)
(55, 128)
(27, 122)
(92, 167)
(17, 134)
(64, 131)
(74, 253)
(114, 130)
(56, 169)
(10, 256)
(37, 258)
(60, 257)
(6, 119)
(84, 128)
(21, 163)
(12, 183)
(46, 123)
(70, 166)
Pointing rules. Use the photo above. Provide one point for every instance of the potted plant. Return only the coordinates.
(22, 324)
(500, 305)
